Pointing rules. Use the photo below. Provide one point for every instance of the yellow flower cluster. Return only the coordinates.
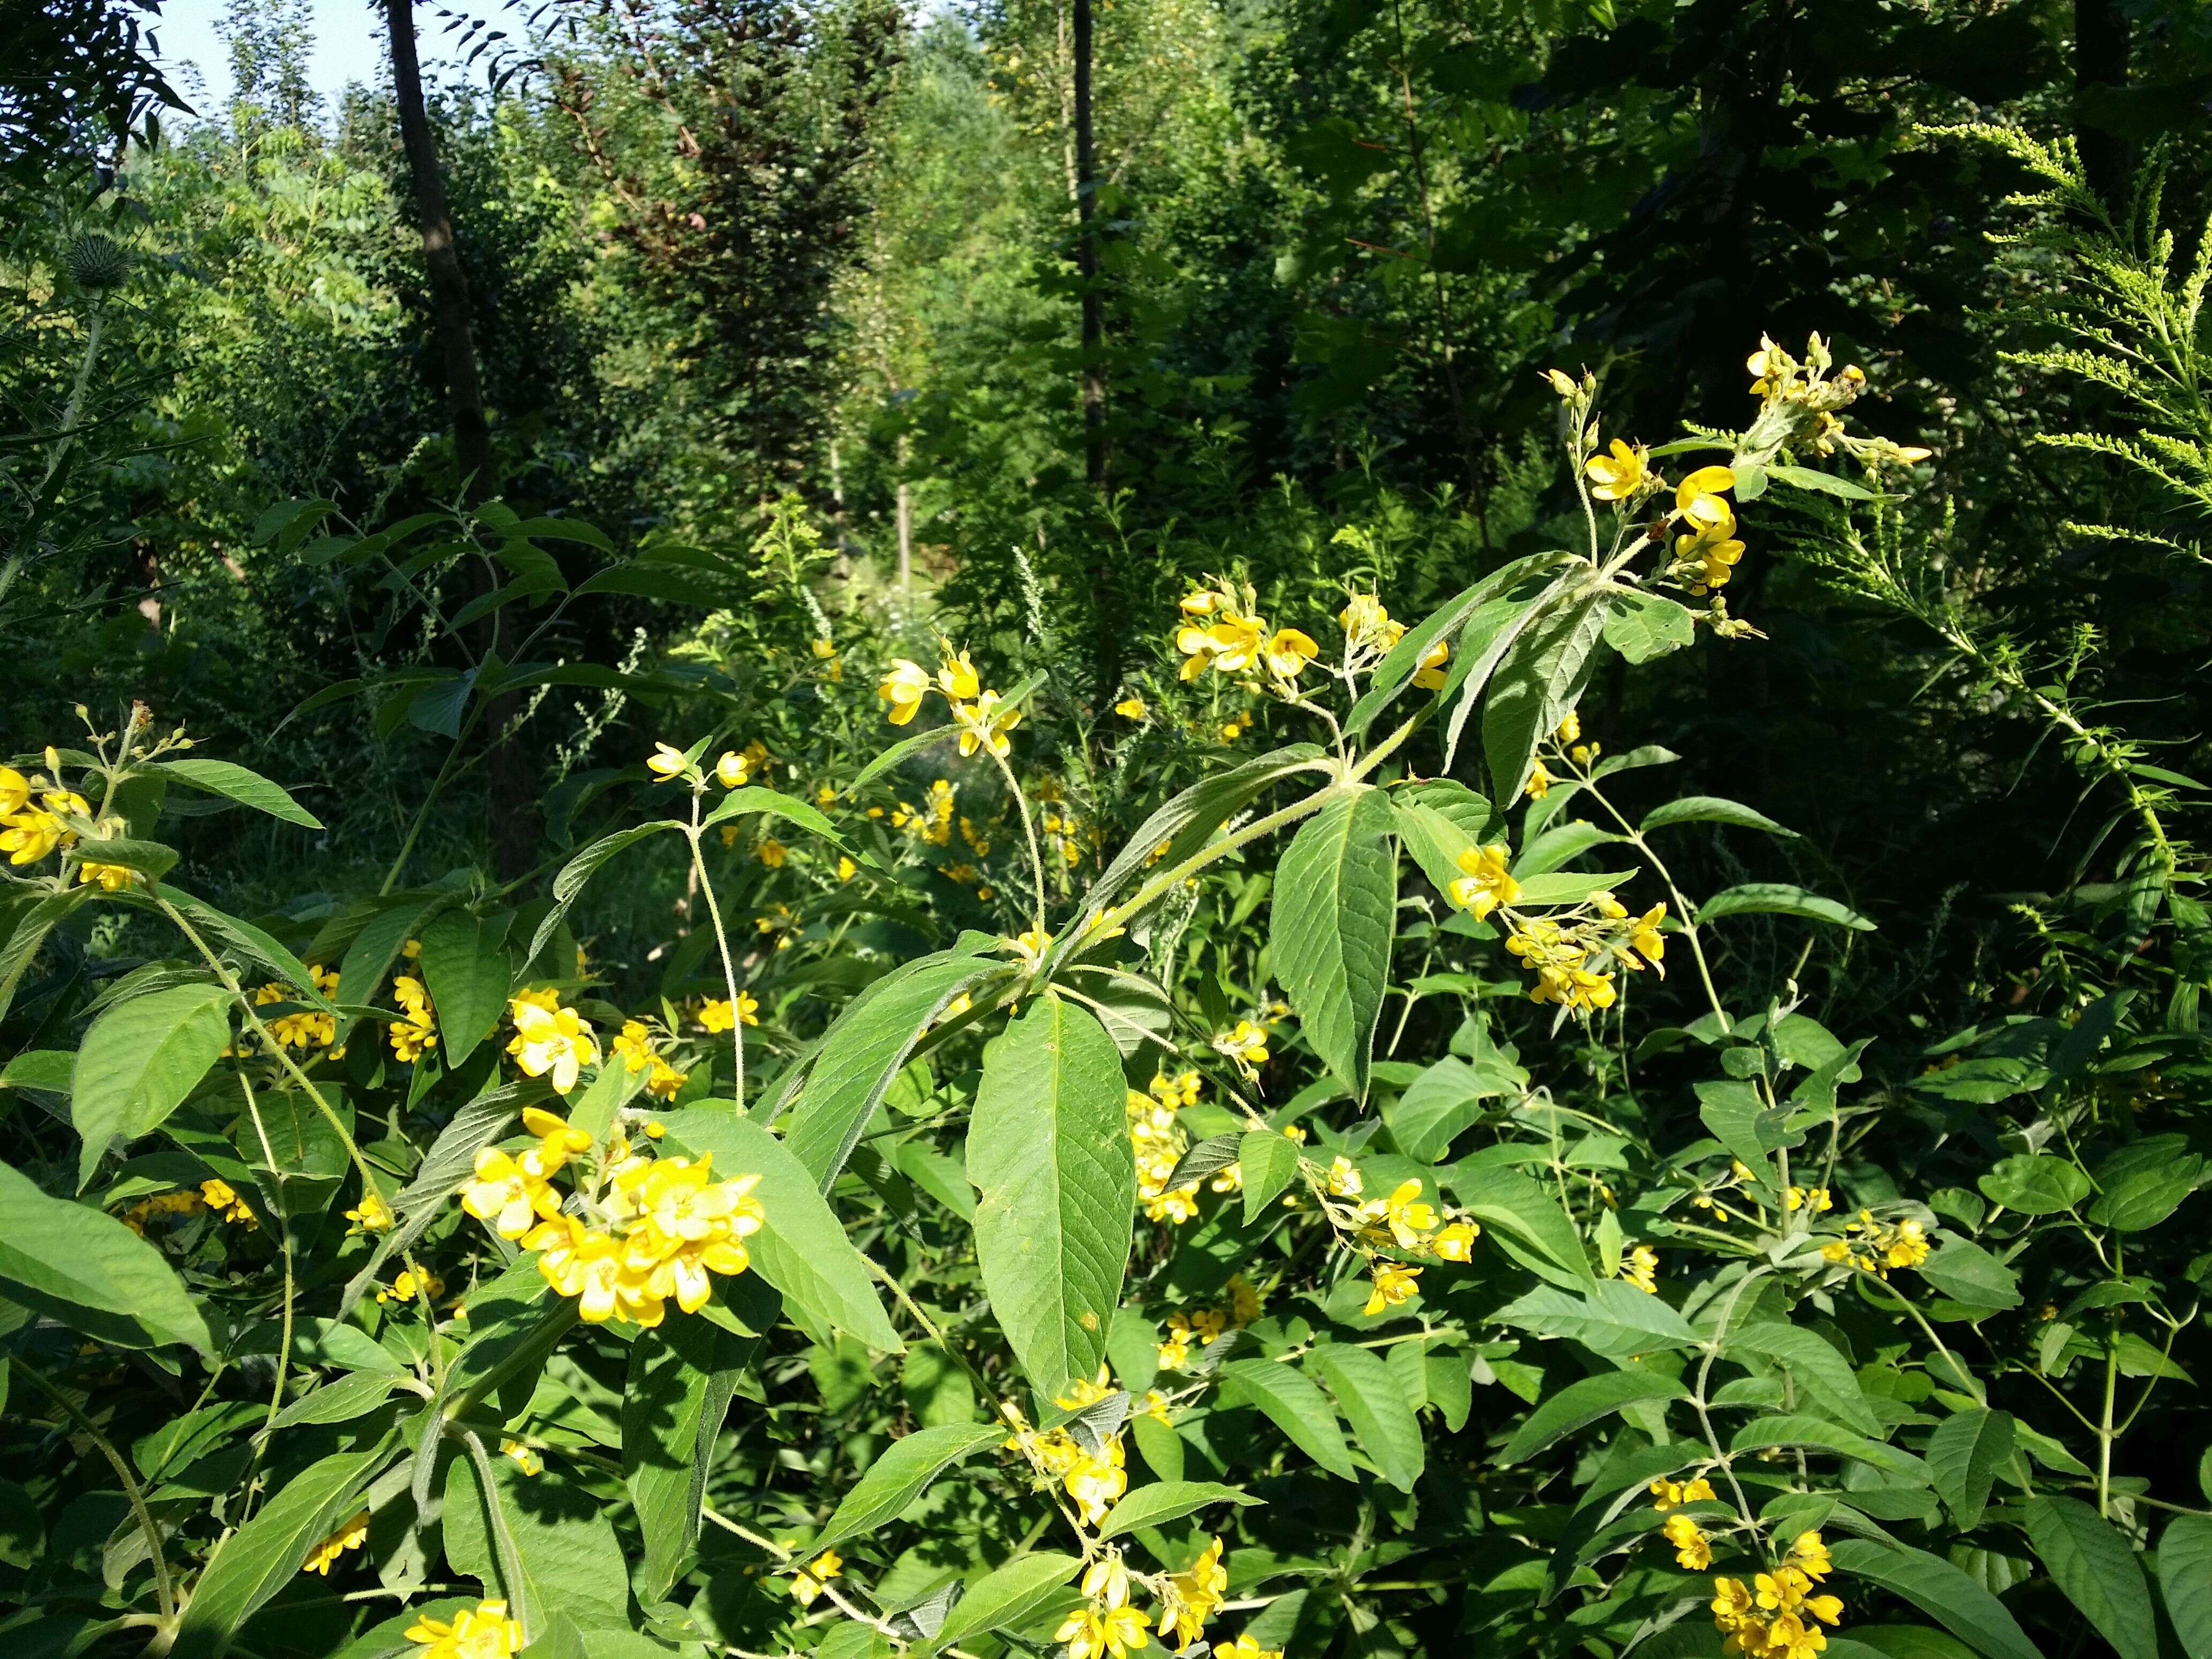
(1881, 1246)
(1486, 882)
(1160, 1143)
(983, 717)
(551, 1038)
(1221, 632)
(513, 1195)
(1193, 1598)
(1406, 1221)
(1706, 551)
(807, 1582)
(482, 1631)
(1642, 1269)
(28, 832)
(667, 764)
(1805, 400)
(1574, 958)
(408, 1287)
(1202, 1326)
(1106, 1624)
(182, 1202)
(350, 1536)
(672, 1226)
(1672, 1494)
(633, 1045)
(717, 1014)
(219, 1196)
(417, 1029)
(306, 1029)
(1779, 1615)
(1693, 1552)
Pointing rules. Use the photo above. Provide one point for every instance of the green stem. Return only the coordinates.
(164, 1591)
(721, 938)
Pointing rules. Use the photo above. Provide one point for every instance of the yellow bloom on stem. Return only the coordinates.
(1486, 884)
(1245, 1647)
(1570, 729)
(407, 1287)
(716, 1014)
(371, 1215)
(1539, 781)
(807, 1583)
(1132, 708)
(218, 1196)
(1706, 481)
(526, 1457)
(956, 677)
(1810, 1557)
(1429, 672)
(483, 1631)
(1617, 475)
(1732, 1605)
(1247, 1045)
(350, 1536)
(1645, 939)
(1193, 1597)
(984, 724)
(663, 1082)
(902, 690)
(771, 852)
(633, 1044)
(1457, 1242)
(1393, 1285)
(665, 762)
(1672, 1494)
(1690, 1549)
(731, 769)
(1796, 1198)
(1643, 1268)
(1097, 1483)
(551, 1038)
(1289, 652)
(112, 877)
(1404, 1216)
(415, 1030)
(1344, 1178)
(14, 791)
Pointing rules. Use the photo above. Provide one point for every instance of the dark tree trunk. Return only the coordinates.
(2100, 60)
(513, 803)
(449, 283)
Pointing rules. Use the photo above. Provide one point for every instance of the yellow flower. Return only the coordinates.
(956, 677)
(415, 1030)
(665, 762)
(1132, 708)
(633, 1044)
(1247, 1045)
(1706, 482)
(1429, 672)
(1193, 1597)
(1690, 1549)
(1393, 1285)
(112, 877)
(1643, 1269)
(371, 1215)
(771, 852)
(1097, 1483)
(903, 689)
(1486, 884)
(1344, 1179)
(1672, 1494)
(731, 769)
(1289, 652)
(1539, 781)
(218, 1196)
(1403, 1215)
(408, 1288)
(663, 1082)
(1645, 939)
(483, 1631)
(984, 724)
(1245, 1647)
(1616, 476)
(1229, 646)
(846, 869)
(1457, 1242)
(14, 791)
(1560, 383)
(350, 1536)
(1810, 1557)
(526, 1457)
(1796, 1198)
(551, 1038)
(1107, 1624)
(807, 1584)
(715, 1014)
(1732, 1604)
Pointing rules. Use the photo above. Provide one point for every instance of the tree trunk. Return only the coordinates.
(512, 805)
(2100, 59)
(1086, 258)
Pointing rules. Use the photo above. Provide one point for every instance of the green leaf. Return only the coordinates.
(1435, 840)
(581, 868)
(236, 783)
(88, 1271)
(1374, 1402)
(801, 1247)
(1269, 1163)
(1827, 483)
(1824, 1377)
(139, 1060)
(1739, 1120)
(263, 1556)
(1336, 904)
(1523, 1219)
(2184, 1575)
(1168, 1500)
(340, 1401)
(1008, 1598)
(864, 1051)
(1940, 1591)
(1188, 821)
(255, 944)
(545, 1542)
(467, 971)
(2035, 1183)
(1647, 625)
(2098, 1570)
(1966, 1272)
(1295, 1405)
(1437, 1106)
(681, 1379)
(1458, 619)
(1611, 1317)
(902, 1475)
(1048, 1151)
(1965, 1454)
(1780, 899)
(32, 924)
(1492, 632)
(2143, 1183)
(1711, 809)
(1580, 1404)
(1535, 686)
(1788, 1430)
(46, 1070)
(756, 798)
(1539, 892)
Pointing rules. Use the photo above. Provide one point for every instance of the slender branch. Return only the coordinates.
(164, 1591)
